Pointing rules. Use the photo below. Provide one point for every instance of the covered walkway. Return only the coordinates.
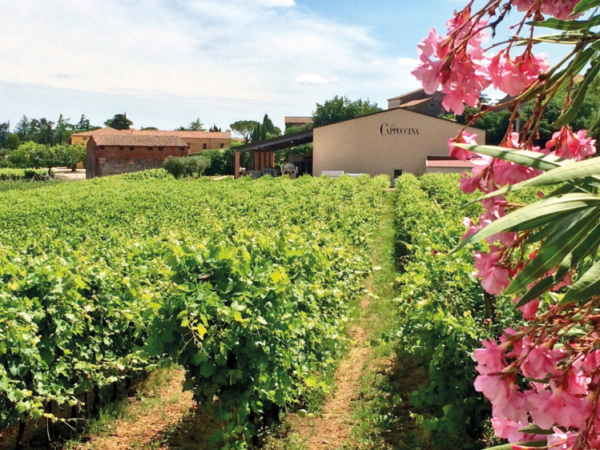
(264, 152)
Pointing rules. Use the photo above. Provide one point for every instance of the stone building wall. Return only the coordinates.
(113, 160)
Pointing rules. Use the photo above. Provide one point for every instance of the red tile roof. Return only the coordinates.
(138, 140)
(449, 163)
(180, 134)
(298, 119)
(415, 102)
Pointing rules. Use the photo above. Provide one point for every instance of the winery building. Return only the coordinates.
(112, 154)
(398, 140)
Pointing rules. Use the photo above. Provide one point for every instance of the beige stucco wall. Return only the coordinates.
(369, 144)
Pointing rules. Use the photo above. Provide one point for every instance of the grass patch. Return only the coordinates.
(383, 413)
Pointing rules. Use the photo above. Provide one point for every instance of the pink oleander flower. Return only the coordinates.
(509, 429)
(540, 362)
(490, 359)
(561, 9)
(561, 440)
(462, 138)
(497, 211)
(545, 407)
(569, 145)
(494, 279)
(471, 228)
(515, 76)
(462, 75)
(530, 309)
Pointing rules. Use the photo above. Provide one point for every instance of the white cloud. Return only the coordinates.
(409, 63)
(311, 78)
(377, 63)
(221, 59)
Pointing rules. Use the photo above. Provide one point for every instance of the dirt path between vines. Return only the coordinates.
(332, 429)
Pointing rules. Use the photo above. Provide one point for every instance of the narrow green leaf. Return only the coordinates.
(586, 287)
(568, 172)
(570, 232)
(522, 157)
(557, 24)
(570, 113)
(534, 429)
(585, 5)
(523, 444)
(540, 288)
(543, 208)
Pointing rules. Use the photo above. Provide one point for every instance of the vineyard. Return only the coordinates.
(244, 284)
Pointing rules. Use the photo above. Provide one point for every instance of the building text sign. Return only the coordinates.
(393, 130)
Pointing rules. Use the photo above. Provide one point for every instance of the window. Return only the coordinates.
(85, 138)
(149, 148)
(181, 149)
(397, 173)
(121, 148)
(204, 146)
(160, 149)
(222, 145)
(102, 147)
(130, 148)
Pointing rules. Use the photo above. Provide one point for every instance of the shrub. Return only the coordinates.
(443, 312)
(186, 167)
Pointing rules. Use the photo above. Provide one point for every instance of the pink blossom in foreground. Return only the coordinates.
(515, 76)
(494, 279)
(569, 145)
(462, 138)
(561, 9)
(530, 309)
(463, 76)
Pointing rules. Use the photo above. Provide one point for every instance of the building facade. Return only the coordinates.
(110, 154)
(387, 143)
(198, 141)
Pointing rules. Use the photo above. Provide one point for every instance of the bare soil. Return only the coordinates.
(332, 429)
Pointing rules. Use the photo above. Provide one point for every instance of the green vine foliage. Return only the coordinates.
(244, 283)
(443, 314)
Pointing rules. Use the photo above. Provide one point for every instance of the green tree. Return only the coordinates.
(20, 158)
(83, 124)
(149, 128)
(215, 129)
(245, 128)
(23, 129)
(61, 132)
(339, 109)
(70, 155)
(4, 132)
(12, 141)
(45, 133)
(119, 122)
(264, 131)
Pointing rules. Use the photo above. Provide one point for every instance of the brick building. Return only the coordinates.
(198, 141)
(112, 154)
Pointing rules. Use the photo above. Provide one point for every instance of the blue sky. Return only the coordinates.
(167, 62)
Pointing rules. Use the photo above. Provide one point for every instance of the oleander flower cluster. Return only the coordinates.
(458, 64)
(533, 377)
(543, 379)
